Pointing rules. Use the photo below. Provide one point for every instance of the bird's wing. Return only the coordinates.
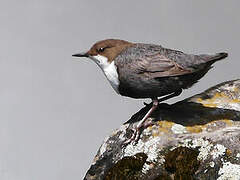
(161, 63)
(156, 61)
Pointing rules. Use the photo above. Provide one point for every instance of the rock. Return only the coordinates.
(197, 138)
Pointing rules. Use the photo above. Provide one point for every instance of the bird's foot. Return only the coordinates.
(137, 132)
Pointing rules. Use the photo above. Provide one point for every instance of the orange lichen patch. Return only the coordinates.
(228, 152)
(162, 128)
(154, 134)
(235, 101)
(236, 89)
(227, 122)
(207, 102)
(150, 128)
(195, 129)
(159, 133)
(216, 99)
(166, 124)
(209, 105)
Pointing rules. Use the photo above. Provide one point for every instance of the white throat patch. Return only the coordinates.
(109, 69)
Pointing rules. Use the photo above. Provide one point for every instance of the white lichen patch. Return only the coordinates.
(212, 164)
(230, 88)
(122, 129)
(103, 147)
(238, 155)
(146, 167)
(218, 150)
(235, 106)
(150, 148)
(178, 129)
(204, 152)
(150, 130)
(229, 105)
(204, 147)
(229, 171)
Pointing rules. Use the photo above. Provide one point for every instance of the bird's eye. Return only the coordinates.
(101, 49)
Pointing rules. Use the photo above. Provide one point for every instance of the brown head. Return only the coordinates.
(109, 48)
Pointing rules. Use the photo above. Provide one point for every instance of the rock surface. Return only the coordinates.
(197, 138)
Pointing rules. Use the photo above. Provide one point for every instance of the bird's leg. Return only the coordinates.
(154, 106)
(144, 123)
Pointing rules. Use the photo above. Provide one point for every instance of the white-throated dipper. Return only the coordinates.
(140, 70)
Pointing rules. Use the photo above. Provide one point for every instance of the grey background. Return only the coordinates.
(56, 110)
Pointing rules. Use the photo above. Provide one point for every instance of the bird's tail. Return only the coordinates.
(215, 57)
(219, 56)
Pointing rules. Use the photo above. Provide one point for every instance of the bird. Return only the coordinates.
(141, 70)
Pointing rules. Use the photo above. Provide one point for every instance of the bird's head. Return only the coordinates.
(105, 51)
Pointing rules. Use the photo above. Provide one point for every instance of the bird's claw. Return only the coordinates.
(137, 132)
(134, 138)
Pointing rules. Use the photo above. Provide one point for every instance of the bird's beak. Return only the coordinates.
(83, 54)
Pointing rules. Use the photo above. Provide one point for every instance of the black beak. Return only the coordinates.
(84, 54)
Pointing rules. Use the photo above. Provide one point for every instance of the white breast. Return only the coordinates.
(109, 69)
